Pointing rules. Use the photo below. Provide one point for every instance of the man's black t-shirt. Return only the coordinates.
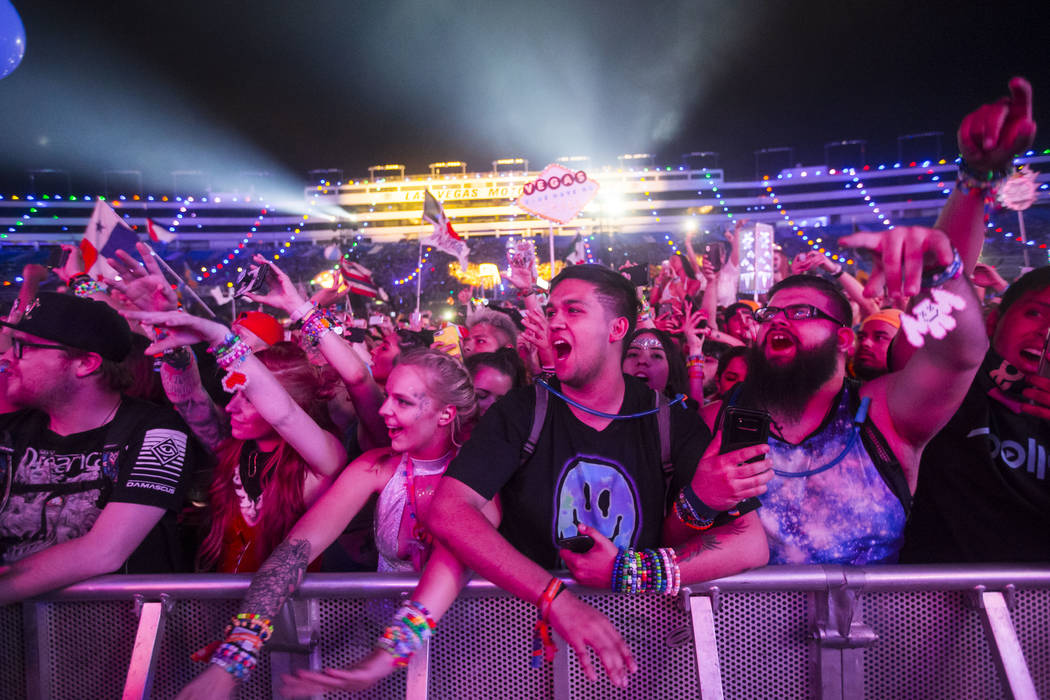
(610, 479)
(61, 483)
(984, 487)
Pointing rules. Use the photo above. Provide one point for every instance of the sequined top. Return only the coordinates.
(391, 508)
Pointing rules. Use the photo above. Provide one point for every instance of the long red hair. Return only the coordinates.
(283, 473)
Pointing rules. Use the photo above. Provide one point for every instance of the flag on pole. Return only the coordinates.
(106, 233)
(157, 233)
(577, 251)
(358, 278)
(443, 238)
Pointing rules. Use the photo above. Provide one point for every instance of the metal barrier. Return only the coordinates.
(779, 632)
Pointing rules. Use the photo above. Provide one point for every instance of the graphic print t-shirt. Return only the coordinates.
(60, 483)
(610, 479)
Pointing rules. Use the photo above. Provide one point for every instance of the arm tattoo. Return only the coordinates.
(187, 395)
(706, 541)
(277, 579)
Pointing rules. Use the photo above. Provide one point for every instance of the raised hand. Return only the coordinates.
(144, 284)
(990, 136)
(899, 257)
(180, 329)
(282, 293)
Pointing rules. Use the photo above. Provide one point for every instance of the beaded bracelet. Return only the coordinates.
(234, 660)
(692, 511)
(694, 360)
(970, 179)
(316, 324)
(648, 570)
(411, 627)
(83, 286)
(228, 354)
(953, 270)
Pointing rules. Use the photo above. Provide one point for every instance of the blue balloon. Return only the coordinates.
(12, 38)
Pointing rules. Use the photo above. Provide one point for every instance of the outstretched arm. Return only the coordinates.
(456, 519)
(282, 572)
(318, 447)
(440, 583)
(364, 393)
(989, 138)
(944, 324)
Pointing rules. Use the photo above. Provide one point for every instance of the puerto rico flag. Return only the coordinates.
(106, 233)
(443, 238)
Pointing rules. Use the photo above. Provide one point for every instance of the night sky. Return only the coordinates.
(285, 87)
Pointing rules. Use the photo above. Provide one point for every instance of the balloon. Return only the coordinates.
(12, 38)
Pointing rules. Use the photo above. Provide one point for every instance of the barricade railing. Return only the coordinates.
(778, 632)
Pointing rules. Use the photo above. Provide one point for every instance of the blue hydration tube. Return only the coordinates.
(858, 420)
(614, 416)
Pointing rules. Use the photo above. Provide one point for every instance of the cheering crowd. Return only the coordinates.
(642, 436)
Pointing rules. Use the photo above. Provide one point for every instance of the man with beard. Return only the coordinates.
(873, 344)
(846, 457)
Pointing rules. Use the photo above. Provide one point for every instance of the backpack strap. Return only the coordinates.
(887, 464)
(663, 422)
(539, 416)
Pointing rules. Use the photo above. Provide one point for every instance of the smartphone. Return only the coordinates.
(743, 427)
(638, 274)
(253, 280)
(715, 252)
(1044, 363)
(356, 335)
(57, 257)
(522, 253)
(450, 336)
(375, 320)
(577, 544)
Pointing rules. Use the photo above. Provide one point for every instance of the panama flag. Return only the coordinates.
(106, 233)
(157, 233)
(443, 238)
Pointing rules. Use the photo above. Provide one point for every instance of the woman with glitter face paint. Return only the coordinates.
(652, 356)
(429, 407)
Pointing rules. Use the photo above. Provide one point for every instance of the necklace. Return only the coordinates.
(253, 464)
(410, 486)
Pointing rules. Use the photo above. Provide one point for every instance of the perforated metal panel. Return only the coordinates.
(482, 649)
(932, 645)
(349, 629)
(763, 645)
(658, 631)
(12, 656)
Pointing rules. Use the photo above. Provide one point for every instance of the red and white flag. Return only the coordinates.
(106, 233)
(443, 238)
(157, 233)
(358, 278)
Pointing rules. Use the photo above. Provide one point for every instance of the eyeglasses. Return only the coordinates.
(795, 312)
(18, 346)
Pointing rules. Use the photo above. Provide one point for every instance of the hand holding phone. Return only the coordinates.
(578, 544)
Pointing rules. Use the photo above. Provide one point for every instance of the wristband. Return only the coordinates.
(176, 358)
(543, 646)
(950, 272)
(835, 275)
(305, 308)
(692, 511)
